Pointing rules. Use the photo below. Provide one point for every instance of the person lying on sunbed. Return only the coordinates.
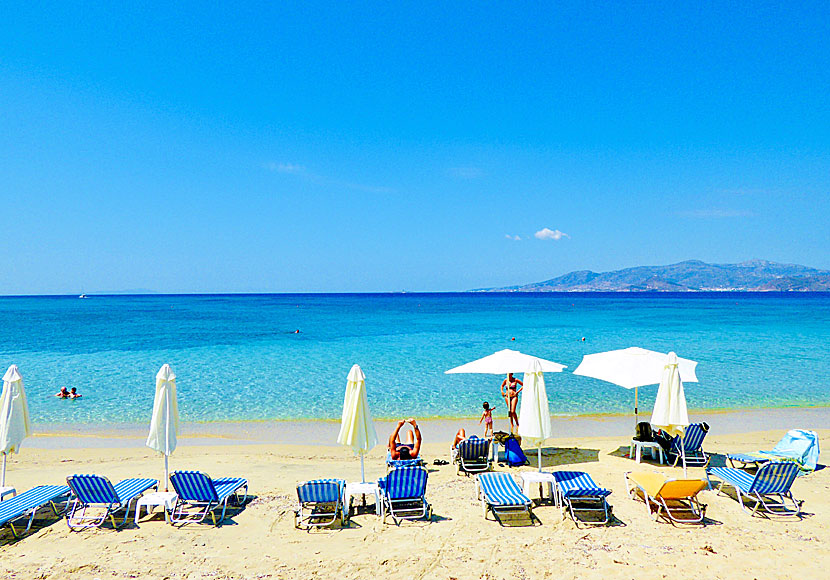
(411, 448)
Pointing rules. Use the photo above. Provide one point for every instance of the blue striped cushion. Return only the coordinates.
(18, 505)
(692, 439)
(473, 448)
(502, 490)
(129, 488)
(775, 477)
(320, 490)
(225, 486)
(736, 477)
(578, 483)
(404, 483)
(93, 489)
(194, 486)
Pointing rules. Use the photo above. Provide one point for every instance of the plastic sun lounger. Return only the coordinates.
(692, 441)
(798, 445)
(499, 493)
(670, 497)
(96, 492)
(577, 491)
(473, 455)
(403, 494)
(320, 502)
(769, 487)
(28, 503)
(197, 489)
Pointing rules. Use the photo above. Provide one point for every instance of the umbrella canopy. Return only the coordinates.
(505, 361)
(534, 415)
(632, 368)
(670, 406)
(15, 425)
(356, 427)
(164, 426)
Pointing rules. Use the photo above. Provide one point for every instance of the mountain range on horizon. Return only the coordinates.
(687, 276)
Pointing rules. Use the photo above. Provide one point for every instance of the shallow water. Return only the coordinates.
(236, 357)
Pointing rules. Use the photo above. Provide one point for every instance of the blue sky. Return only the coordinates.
(386, 146)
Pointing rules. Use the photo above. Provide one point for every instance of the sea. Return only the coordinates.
(239, 358)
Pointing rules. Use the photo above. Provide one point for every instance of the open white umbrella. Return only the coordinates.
(356, 427)
(534, 414)
(15, 425)
(505, 361)
(632, 368)
(670, 412)
(164, 426)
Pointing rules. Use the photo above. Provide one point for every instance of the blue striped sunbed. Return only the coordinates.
(499, 493)
(473, 455)
(692, 444)
(196, 489)
(769, 488)
(403, 494)
(578, 491)
(28, 503)
(97, 493)
(320, 502)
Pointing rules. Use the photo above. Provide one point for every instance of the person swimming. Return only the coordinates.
(63, 393)
(74, 394)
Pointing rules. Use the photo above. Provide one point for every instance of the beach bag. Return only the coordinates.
(663, 439)
(513, 453)
(644, 432)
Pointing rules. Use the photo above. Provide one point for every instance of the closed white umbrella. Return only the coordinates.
(505, 361)
(534, 415)
(164, 426)
(356, 427)
(15, 425)
(632, 368)
(670, 412)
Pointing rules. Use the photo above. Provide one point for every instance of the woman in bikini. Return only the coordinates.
(510, 391)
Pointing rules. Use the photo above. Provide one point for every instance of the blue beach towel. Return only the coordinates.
(513, 453)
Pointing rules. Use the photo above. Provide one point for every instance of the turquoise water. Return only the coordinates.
(237, 359)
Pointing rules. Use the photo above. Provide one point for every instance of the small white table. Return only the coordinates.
(4, 491)
(162, 498)
(543, 479)
(635, 450)
(361, 489)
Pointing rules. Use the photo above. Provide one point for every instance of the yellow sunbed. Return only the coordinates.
(674, 498)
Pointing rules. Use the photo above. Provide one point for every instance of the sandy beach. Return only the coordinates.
(260, 541)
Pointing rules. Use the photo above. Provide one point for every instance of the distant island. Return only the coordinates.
(688, 276)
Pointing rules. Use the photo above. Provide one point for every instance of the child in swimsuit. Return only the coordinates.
(487, 417)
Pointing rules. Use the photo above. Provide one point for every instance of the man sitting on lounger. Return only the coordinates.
(411, 448)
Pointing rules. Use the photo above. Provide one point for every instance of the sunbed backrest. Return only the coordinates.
(692, 439)
(406, 482)
(501, 488)
(682, 488)
(93, 489)
(194, 486)
(775, 477)
(320, 490)
(474, 447)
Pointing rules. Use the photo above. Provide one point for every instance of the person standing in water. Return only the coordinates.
(510, 389)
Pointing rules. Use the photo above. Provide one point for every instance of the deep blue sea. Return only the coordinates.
(237, 358)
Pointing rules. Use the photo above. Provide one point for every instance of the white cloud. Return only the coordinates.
(514, 238)
(548, 234)
(284, 167)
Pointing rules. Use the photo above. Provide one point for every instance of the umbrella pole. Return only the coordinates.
(539, 455)
(362, 472)
(3, 480)
(166, 474)
(683, 454)
(636, 409)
